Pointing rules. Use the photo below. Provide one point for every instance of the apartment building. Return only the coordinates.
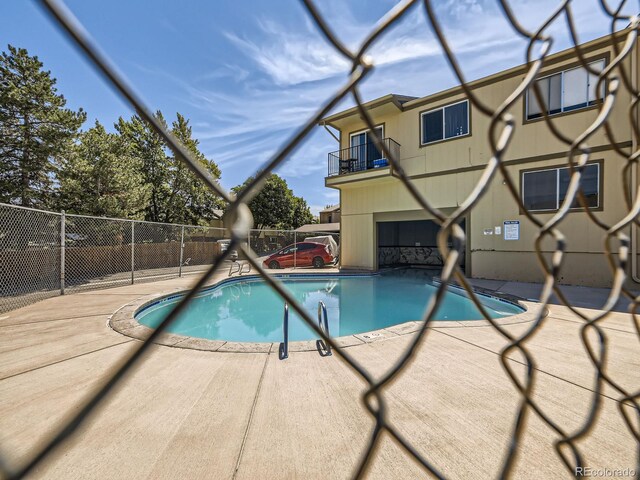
(441, 141)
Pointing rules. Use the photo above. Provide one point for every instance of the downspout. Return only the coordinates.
(634, 171)
(337, 139)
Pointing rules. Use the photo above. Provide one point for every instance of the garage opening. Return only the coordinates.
(410, 243)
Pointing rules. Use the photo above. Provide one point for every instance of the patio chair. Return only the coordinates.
(345, 166)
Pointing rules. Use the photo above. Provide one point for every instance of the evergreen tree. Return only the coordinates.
(101, 177)
(190, 200)
(35, 129)
(128, 174)
(176, 194)
(148, 147)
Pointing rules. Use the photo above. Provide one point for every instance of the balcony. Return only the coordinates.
(359, 158)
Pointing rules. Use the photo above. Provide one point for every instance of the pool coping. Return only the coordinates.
(124, 322)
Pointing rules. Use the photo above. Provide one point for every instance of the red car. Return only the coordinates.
(306, 254)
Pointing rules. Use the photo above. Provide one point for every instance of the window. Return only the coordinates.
(566, 91)
(547, 189)
(446, 122)
(540, 190)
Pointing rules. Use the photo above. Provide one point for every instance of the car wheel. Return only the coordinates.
(318, 262)
(274, 265)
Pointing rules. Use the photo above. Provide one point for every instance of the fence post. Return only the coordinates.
(133, 256)
(62, 250)
(181, 250)
(295, 251)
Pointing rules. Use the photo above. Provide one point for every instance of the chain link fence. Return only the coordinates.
(499, 133)
(43, 254)
(98, 252)
(264, 243)
(198, 243)
(29, 256)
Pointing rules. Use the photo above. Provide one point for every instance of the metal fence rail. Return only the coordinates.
(499, 134)
(43, 254)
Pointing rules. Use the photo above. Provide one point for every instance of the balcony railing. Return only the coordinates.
(361, 157)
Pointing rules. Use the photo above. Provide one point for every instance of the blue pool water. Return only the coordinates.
(249, 311)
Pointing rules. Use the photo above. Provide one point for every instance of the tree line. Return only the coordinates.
(47, 161)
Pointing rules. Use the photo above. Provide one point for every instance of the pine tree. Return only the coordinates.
(148, 147)
(35, 129)
(101, 177)
(190, 200)
(177, 195)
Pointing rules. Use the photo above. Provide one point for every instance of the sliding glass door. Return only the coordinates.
(363, 151)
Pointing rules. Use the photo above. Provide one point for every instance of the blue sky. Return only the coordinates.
(247, 73)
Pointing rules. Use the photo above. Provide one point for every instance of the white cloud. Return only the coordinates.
(287, 70)
(461, 8)
(234, 72)
(292, 58)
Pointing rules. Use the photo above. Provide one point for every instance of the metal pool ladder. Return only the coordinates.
(324, 349)
(238, 267)
(283, 351)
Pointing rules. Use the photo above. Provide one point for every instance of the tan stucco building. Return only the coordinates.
(330, 214)
(441, 141)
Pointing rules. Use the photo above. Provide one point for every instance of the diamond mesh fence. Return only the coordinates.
(265, 242)
(156, 250)
(615, 76)
(201, 246)
(100, 252)
(29, 256)
(97, 252)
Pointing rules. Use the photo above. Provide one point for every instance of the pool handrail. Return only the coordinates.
(283, 350)
(238, 266)
(324, 349)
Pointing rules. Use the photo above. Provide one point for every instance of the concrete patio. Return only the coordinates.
(185, 413)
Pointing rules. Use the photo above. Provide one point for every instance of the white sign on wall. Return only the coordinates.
(498, 230)
(511, 229)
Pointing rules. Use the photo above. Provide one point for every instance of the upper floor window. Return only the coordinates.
(446, 122)
(565, 91)
(546, 189)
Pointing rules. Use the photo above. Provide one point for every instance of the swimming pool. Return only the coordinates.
(248, 310)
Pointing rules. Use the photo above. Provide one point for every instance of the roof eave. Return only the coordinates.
(397, 100)
(406, 103)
